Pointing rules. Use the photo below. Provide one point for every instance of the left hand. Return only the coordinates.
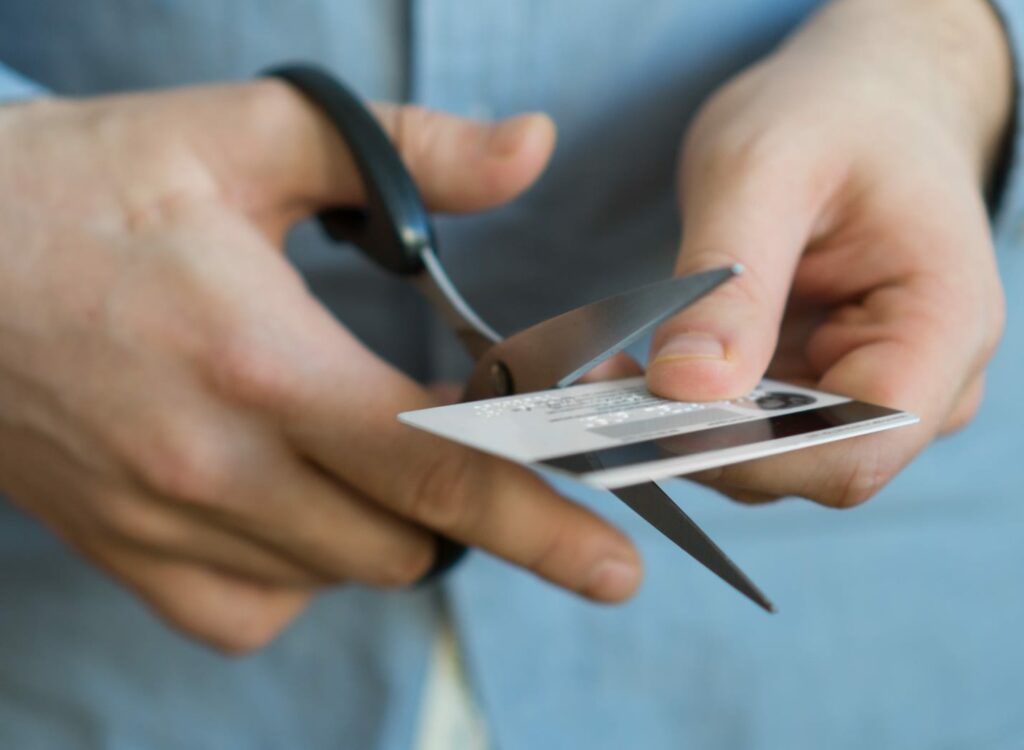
(845, 173)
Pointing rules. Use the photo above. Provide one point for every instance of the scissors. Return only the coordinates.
(394, 230)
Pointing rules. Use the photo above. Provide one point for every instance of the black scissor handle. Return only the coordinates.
(394, 227)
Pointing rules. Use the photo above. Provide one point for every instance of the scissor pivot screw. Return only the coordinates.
(501, 379)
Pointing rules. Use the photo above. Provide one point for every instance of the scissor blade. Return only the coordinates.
(475, 335)
(652, 504)
(558, 351)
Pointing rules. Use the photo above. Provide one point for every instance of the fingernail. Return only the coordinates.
(691, 345)
(612, 580)
(507, 136)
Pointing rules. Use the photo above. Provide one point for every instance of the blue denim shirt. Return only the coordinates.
(900, 623)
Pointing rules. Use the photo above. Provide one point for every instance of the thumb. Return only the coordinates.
(738, 213)
(458, 164)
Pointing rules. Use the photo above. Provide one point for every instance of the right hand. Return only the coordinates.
(175, 404)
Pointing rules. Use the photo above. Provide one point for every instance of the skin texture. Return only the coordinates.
(175, 404)
(846, 173)
(177, 407)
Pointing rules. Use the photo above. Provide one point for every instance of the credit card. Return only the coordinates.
(617, 434)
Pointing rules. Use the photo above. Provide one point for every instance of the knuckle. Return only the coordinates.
(960, 419)
(857, 490)
(966, 408)
(267, 106)
(857, 484)
(970, 413)
(718, 155)
(983, 309)
(163, 210)
(131, 519)
(442, 495)
(247, 372)
(184, 464)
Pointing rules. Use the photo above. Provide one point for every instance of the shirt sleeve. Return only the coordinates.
(15, 86)
(1007, 196)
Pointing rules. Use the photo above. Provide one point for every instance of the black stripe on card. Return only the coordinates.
(721, 438)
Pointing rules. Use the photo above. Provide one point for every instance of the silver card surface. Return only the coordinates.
(630, 436)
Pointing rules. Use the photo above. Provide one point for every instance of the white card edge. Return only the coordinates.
(668, 468)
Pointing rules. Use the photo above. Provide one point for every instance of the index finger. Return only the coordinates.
(348, 425)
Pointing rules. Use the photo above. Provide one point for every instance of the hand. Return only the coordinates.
(845, 174)
(177, 406)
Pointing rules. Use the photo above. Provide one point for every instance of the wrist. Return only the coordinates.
(949, 60)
